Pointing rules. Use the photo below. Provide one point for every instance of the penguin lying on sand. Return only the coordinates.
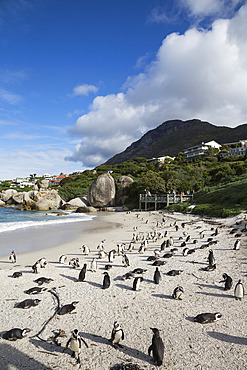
(207, 318)
(27, 303)
(16, 333)
(68, 308)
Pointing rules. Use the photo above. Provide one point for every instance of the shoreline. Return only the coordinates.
(188, 345)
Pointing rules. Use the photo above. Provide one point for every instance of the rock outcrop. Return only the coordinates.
(123, 183)
(46, 201)
(7, 194)
(102, 191)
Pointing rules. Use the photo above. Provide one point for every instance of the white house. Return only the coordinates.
(197, 150)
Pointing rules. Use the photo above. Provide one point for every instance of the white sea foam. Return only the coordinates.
(73, 217)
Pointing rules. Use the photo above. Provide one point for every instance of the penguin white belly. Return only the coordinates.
(239, 292)
(117, 337)
(74, 346)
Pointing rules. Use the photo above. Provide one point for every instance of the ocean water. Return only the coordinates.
(27, 231)
(12, 219)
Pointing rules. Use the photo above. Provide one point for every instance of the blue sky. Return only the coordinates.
(80, 80)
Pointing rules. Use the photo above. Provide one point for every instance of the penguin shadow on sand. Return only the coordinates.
(69, 277)
(210, 286)
(227, 338)
(132, 352)
(49, 347)
(12, 356)
(222, 295)
(97, 285)
(123, 286)
(163, 296)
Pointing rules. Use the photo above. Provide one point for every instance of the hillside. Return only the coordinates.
(172, 137)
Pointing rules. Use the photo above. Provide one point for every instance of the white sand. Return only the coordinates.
(188, 345)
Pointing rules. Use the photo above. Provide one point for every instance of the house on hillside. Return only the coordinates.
(166, 158)
(56, 180)
(197, 150)
(236, 148)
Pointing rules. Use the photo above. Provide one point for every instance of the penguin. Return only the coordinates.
(17, 274)
(178, 291)
(101, 254)
(43, 280)
(163, 245)
(101, 245)
(27, 303)
(68, 308)
(74, 262)
(63, 259)
(42, 262)
(152, 258)
(111, 255)
(82, 273)
(239, 290)
(94, 265)
(74, 343)
(237, 245)
(125, 260)
(187, 239)
(157, 347)
(35, 267)
(207, 318)
(128, 275)
(211, 259)
(136, 283)
(116, 335)
(12, 257)
(106, 280)
(228, 282)
(210, 268)
(168, 255)
(139, 270)
(35, 290)
(174, 272)
(157, 276)
(108, 267)
(190, 251)
(157, 253)
(142, 248)
(185, 251)
(85, 250)
(119, 249)
(158, 263)
(130, 247)
(16, 333)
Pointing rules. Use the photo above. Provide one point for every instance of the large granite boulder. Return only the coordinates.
(43, 184)
(123, 183)
(46, 201)
(102, 191)
(86, 209)
(18, 198)
(7, 194)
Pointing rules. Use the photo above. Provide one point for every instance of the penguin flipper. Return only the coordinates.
(122, 335)
(150, 349)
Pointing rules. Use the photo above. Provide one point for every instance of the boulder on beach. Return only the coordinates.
(86, 209)
(47, 201)
(43, 184)
(18, 198)
(123, 182)
(7, 194)
(102, 191)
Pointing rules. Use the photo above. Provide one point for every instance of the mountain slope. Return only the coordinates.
(174, 136)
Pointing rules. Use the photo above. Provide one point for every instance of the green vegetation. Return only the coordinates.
(220, 184)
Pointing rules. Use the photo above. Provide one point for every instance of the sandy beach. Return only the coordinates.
(188, 345)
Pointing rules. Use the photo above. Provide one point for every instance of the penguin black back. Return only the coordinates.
(157, 347)
(157, 276)
(106, 280)
(82, 273)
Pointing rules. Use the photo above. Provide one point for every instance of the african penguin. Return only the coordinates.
(67, 308)
(27, 303)
(74, 343)
(207, 318)
(94, 265)
(157, 276)
(116, 335)
(136, 283)
(178, 291)
(82, 273)
(239, 290)
(237, 245)
(157, 347)
(12, 257)
(228, 281)
(16, 333)
(106, 280)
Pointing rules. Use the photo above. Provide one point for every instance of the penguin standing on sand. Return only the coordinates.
(178, 291)
(94, 265)
(239, 290)
(125, 260)
(157, 276)
(63, 259)
(228, 281)
(116, 335)
(82, 273)
(106, 281)
(74, 343)
(111, 255)
(211, 259)
(12, 257)
(157, 347)
(237, 245)
(136, 283)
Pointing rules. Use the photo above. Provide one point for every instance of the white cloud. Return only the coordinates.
(84, 89)
(200, 74)
(9, 97)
